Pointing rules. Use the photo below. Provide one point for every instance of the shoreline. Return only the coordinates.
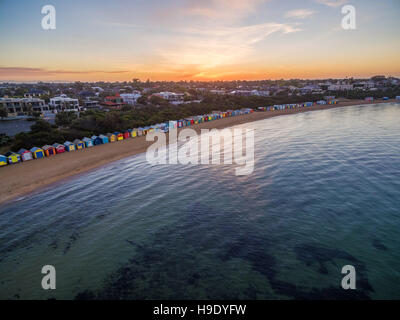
(25, 178)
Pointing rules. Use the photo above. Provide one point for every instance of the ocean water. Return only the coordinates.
(12, 127)
(325, 192)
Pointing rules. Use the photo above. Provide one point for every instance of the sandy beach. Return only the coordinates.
(23, 178)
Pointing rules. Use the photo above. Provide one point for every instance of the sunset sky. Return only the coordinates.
(197, 40)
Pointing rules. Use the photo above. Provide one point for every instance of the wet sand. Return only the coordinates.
(26, 177)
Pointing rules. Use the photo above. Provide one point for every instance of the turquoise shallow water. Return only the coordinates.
(325, 192)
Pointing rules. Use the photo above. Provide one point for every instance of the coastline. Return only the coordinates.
(27, 177)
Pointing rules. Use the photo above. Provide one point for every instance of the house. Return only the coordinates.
(25, 155)
(37, 153)
(321, 102)
(134, 133)
(104, 139)
(145, 130)
(98, 89)
(140, 131)
(247, 111)
(163, 127)
(172, 97)
(130, 98)
(69, 146)
(397, 97)
(49, 150)
(3, 160)
(96, 140)
(119, 136)
(148, 129)
(369, 99)
(151, 129)
(79, 144)
(88, 142)
(22, 106)
(113, 101)
(340, 87)
(13, 157)
(63, 103)
(35, 93)
(111, 137)
(173, 125)
(88, 104)
(86, 94)
(59, 148)
(217, 91)
(127, 134)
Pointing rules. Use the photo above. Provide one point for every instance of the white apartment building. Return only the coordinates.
(217, 91)
(365, 84)
(171, 96)
(63, 103)
(262, 93)
(311, 87)
(130, 98)
(22, 106)
(246, 93)
(340, 87)
(90, 104)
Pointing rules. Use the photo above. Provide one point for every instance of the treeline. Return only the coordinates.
(97, 122)
(70, 127)
(43, 133)
(390, 92)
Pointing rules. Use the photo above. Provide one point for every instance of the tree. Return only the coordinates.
(142, 100)
(64, 119)
(46, 98)
(19, 92)
(4, 139)
(41, 126)
(158, 101)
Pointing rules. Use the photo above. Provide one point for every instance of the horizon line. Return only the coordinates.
(214, 80)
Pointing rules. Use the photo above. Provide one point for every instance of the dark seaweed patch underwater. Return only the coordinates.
(170, 266)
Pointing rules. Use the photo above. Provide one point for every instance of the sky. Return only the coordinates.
(102, 40)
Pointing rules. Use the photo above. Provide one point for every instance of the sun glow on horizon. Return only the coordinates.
(191, 40)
